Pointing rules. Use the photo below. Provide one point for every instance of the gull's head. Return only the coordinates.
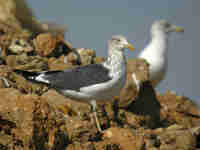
(119, 43)
(165, 27)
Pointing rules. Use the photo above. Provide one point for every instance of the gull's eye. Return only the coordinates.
(167, 25)
(118, 40)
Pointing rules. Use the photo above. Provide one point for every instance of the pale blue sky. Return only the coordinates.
(93, 22)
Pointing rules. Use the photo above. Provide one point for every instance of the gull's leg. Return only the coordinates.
(137, 82)
(5, 82)
(93, 104)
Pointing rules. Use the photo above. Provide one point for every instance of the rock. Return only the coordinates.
(67, 106)
(17, 81)
(28, 122)
(13, 43)
(129, 92)
(174, 139)
(2, 62)
(26, 62)
(32, 123)
(58, 64)
(86, 55)
(45, 44)
(72, 58)
(19, 16)
(18, 46)
(2, 84)
(179, 110)
(33, 116)
(98, 60)
(124, 138)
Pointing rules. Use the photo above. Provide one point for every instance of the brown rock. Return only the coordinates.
(129, 92)
(2, 85)
(26, 62)
(71, 58)
(17, 81)
(18, 15)
(27, 122)
(44, 119)
(78, 115)
(45, 44)
(51, 97)
(171, 140)
(58, 64)
(67, 106)
(86, 55)
(19, 46)
(98, 60)
(4, 73)
(179, 110)
(124, 138)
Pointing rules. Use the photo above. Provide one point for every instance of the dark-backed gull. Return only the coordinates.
(91, 83)
(156, 52)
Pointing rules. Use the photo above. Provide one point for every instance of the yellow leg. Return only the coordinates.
(5, 81)
(97, 122)
(93, 104)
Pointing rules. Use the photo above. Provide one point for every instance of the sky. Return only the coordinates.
(92, 22)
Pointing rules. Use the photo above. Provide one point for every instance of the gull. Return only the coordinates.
(92, 83)
(156, 52)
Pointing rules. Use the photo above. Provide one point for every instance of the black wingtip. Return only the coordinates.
(18, 71)
(25, 74)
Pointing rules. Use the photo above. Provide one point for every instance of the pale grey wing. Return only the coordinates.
(76, 78)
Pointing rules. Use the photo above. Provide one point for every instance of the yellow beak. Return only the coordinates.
(68, 44)
(130, 46)
(178, 28)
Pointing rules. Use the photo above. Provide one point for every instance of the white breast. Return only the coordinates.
(156, 55)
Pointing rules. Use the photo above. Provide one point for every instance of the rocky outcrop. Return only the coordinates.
(51, 121)
(34, 117)
(28, 122)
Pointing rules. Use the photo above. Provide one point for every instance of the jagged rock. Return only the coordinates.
(45, 44)
(52, 120)
(19, 16)
(12, 43)
(26, 62)
(69, 107)
(170, 138)
(179, 110)
(28, 122)
(19, 46)
(86, 55)
(33, 116)
(72, 58)
(16, 81)
(58, 64)
(75, 111)
(124, 139)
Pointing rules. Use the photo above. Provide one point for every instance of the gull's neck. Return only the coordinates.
(159, 43)
(116, 62)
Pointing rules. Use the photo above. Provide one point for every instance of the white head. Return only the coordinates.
(163, 26)
(119, 43)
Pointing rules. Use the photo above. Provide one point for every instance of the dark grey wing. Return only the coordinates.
(79, 77)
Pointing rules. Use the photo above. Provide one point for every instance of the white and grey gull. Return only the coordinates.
(91, 83)
(156, 52)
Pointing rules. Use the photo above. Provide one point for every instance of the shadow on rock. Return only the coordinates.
(47, 133)
(146, 105)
